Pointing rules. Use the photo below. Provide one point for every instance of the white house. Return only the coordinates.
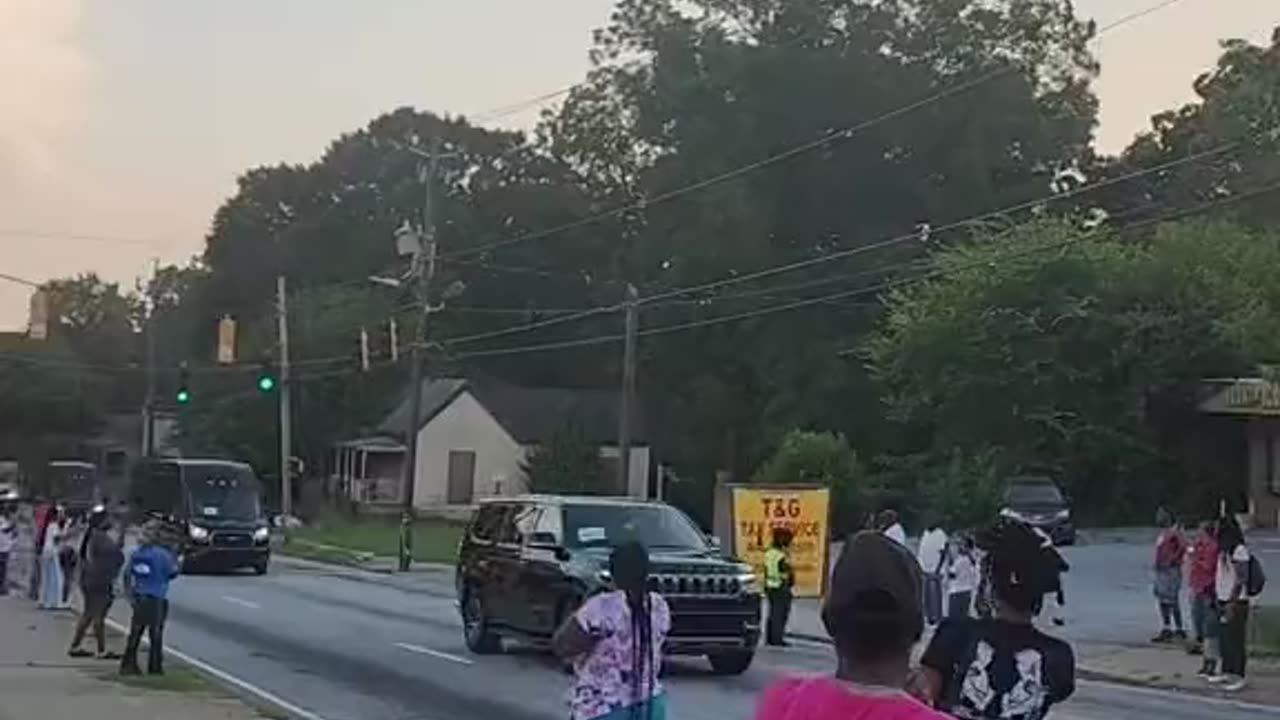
(474, 438)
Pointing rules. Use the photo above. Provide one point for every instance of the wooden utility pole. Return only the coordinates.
(424, 270)
(631, 306)
(286, 408)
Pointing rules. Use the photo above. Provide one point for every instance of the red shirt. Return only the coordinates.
(1170, 549)
(826, 698)
(1202, 560)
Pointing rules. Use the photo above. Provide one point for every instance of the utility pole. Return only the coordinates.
(149, 409)
(286, 408)
(424, 272)
(632, 307)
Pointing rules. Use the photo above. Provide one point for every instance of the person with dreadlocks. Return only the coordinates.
(1002, 667)
(615, 642)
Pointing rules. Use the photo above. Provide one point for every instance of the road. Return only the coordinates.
(344, 645)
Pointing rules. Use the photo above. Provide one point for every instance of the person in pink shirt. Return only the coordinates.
(873, 614)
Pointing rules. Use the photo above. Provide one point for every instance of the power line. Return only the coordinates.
(827, 139)
(20, 280)
(874, 289)
(913, 236)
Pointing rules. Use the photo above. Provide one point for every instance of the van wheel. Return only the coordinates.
(731, 663)
(476, 632)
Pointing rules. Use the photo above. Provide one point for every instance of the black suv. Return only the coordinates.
(525, 564)
(1037, 500)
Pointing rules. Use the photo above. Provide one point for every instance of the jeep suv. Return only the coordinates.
(525, 564)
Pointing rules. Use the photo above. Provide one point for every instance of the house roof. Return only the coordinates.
(531, 415)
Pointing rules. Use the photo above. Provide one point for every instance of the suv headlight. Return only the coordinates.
(748, 583)
(1062, 514)
(198, 533)
(262, 534)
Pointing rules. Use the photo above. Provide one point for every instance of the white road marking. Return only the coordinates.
(242, 602)
(248, 687)
(434, 653)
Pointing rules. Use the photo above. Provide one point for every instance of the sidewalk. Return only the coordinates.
(38, 680)
(1161, 667)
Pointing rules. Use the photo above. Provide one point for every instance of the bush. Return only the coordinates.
(819, 458)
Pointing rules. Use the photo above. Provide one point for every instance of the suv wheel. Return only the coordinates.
(733, 662)
(475, 627)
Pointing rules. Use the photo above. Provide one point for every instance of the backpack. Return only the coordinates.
(1257, 579)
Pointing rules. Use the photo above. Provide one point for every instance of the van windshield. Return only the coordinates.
(222, 492)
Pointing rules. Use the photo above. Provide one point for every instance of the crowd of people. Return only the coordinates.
(880, 601)
(1221, 578)
(86, 550)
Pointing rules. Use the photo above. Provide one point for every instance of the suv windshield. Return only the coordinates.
(222, 492)
(1034, 494)
(656, 526)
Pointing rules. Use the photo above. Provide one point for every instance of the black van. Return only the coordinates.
(75, 484)
(213, 506)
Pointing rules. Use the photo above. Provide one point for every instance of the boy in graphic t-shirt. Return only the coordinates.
(1001, 667)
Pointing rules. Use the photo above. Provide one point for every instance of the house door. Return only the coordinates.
(462, 477)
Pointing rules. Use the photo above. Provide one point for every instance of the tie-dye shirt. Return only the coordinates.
(603, 681)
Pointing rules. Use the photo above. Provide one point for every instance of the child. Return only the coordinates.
(1170, 551)
(1202, 569)
(963, 579)
(51, 579)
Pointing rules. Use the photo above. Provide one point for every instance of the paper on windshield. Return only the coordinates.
(209, 511)
(591, 534)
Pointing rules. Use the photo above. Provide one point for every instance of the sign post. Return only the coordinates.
(805, 511)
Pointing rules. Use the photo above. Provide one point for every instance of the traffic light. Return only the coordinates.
(266, 376)
(183, 396)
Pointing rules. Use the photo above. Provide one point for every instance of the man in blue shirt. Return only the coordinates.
(148, 573)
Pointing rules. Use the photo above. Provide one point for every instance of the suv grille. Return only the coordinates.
(691, 585)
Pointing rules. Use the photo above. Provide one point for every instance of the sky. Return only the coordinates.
(124, 123)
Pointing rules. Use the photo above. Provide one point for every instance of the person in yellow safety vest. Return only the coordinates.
(778, 580)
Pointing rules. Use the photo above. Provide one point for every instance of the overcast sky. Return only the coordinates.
(124, 123)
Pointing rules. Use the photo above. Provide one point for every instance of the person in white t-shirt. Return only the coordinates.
(1232, 585)
(962, 576)
(932, 555)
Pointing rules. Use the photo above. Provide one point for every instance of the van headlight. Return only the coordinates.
(198, 533)
(262, 534)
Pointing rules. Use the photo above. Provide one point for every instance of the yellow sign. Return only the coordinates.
(803, 511)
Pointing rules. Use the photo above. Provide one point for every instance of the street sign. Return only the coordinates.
(804, 511)
(226, 340)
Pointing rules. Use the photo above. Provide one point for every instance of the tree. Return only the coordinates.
(567, 463)
(1049, 346)
(1238, 107)
(824, 459)
(683, 93)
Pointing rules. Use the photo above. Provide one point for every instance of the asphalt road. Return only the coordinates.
(344, 645)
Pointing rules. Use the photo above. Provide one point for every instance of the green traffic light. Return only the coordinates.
(266, 383)
(184, 397)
